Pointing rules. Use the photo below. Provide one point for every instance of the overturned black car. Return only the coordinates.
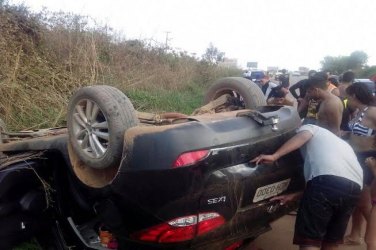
(118, 178)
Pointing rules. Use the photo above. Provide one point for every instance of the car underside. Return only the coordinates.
(180, 181)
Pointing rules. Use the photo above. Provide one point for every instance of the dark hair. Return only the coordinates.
(333, 81)
(348, 76)
(322, 74)
(361, 92)
(318, 80)
(311, 73)
(277, 92)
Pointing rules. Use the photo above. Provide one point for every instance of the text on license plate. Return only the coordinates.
(271, 190)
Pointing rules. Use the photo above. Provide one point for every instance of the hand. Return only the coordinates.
(264, 158)
(285, 198)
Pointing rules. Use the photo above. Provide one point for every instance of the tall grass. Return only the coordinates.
(46, 56)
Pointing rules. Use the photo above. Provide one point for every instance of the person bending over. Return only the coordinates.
(333, 186)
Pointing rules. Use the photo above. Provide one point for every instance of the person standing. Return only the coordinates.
(284, 79)
(371, 225)
(362, 138)
(329, 111)
(345, 81)
(333, 186)
(300, 97)
(333, 88)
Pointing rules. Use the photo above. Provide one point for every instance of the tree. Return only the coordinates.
(357, 60)
(213, 55)
(337, 65)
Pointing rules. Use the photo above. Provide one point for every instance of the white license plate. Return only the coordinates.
(271, 190)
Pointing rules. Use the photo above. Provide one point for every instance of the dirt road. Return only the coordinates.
(280, 237)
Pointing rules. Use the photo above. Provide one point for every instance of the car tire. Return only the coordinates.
(98, 116)
(247, 91)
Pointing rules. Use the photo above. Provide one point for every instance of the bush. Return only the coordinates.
(46, 56)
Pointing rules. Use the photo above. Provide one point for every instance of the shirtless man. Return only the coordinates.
(329, 114)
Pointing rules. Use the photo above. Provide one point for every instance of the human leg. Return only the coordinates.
(324, 212)
(371, 230)
(306, 239)
(329, 246)
(359, 217)
(357, 221)
(371, 225)
(313, 215)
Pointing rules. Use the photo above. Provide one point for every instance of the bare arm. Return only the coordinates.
(303, 104)
(293, 90)
(294, 143)
(371, 114)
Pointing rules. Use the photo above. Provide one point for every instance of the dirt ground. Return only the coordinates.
(280, 237)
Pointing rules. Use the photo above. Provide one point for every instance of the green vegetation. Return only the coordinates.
(356, 61)
(46, 56)
(184, 101)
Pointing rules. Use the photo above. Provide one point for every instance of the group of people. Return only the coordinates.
(337, 140)
(276, 94)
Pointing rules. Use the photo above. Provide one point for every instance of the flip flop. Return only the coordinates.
(348, 241)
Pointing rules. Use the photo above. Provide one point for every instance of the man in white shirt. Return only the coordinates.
(334, 180)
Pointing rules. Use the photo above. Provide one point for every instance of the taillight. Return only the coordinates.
(181, 229)
(234, 246)
(190, 158)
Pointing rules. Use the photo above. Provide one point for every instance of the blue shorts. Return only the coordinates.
(325, 209)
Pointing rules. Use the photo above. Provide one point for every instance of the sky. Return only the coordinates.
(281, 33)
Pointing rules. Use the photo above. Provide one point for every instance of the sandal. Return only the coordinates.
(351, 242)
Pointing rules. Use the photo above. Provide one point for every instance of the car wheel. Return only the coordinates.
(246, 94)
(98, 116)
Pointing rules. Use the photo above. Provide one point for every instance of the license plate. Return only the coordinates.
(271, 190)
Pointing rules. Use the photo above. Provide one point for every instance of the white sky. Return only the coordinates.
(283, 33)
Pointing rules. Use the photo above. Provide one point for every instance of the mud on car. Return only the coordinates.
(149, 181)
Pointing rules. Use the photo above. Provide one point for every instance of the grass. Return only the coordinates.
(163, 100)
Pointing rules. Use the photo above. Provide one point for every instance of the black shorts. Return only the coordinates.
(325, 209)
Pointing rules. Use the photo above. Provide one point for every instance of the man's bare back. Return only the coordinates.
(330, 113)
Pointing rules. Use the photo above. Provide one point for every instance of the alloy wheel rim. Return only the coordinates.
(90, 128)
